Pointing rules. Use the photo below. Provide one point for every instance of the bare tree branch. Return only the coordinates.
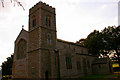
(15, 1)
(19, 4)
(2, 1)
(2, 4)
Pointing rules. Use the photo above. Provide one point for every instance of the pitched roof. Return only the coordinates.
(72, 43)
(22, 32)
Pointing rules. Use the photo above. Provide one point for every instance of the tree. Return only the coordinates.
(112, 40)
(81, 41)
(104, 42)
(94, 43)
(7, 66)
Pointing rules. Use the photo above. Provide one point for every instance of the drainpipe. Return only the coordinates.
(58, 62)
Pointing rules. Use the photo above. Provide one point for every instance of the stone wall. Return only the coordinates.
(20, 65)
(102, 66)
(77, 53)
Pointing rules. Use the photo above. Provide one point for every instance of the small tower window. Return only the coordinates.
(48, 21)
(34, 22)
(48, 39)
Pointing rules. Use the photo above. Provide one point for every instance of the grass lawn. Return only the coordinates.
(99, 77)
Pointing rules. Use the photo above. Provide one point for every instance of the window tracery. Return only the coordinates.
(21, 49)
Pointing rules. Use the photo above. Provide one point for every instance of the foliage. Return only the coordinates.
(7, 66)
(112, 40)
(111, 37)
(94, 42)
(103, 42)
(81, 41)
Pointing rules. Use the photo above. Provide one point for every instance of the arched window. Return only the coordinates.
(21, 49)
(48, 21)
(78, 65)
(49, 39)
(33, 21)
(68, 62)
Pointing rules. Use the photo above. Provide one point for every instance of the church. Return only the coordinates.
(39, 54)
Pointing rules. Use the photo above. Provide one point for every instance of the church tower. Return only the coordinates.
(42, 40)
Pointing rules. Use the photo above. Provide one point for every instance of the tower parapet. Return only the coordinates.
(42, 5)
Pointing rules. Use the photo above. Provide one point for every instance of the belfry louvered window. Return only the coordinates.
(34, 22)
(48, 21)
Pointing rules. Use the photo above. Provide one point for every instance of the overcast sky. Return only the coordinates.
(75, 19)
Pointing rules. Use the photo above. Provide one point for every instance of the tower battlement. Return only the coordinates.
(42, 5)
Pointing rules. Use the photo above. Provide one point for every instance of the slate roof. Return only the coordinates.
(72, 43)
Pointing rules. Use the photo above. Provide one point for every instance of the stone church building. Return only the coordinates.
(39, 54)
